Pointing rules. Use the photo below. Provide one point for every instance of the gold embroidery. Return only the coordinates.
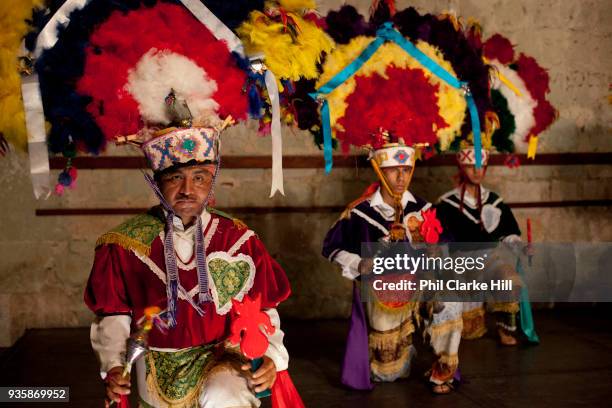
(507, 307)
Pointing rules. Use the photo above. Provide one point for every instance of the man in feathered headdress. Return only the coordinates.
(472, 213)
(190, 261)
(182, 257)
(388, 211)
(392, 106)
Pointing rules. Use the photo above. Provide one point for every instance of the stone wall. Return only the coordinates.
(45, 261)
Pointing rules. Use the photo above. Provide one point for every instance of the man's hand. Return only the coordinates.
(263, 378)
(116, 385)
(365, 266)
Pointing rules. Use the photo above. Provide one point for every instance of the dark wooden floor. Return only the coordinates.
(572, 367)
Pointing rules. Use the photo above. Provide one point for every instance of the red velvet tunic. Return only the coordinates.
(121, 283)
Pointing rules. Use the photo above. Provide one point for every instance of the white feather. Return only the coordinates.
(521, 107)
(157, 72)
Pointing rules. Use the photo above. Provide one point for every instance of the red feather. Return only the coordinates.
(112, 53)
(500, 48)
(404, 104)
(537, 82)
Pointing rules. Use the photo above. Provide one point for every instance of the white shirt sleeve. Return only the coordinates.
(276, 349)
(108, 337)
(349, 263)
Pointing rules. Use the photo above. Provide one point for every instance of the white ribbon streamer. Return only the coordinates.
(277, 140)
(32, 102)
(48, 36)
(216, 26)
(37, 136)
(222, 32)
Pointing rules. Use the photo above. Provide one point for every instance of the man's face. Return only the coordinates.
(186, 189)
(474, 175)
(398, 178)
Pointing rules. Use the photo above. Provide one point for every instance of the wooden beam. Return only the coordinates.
(317, 162)
(45, 212)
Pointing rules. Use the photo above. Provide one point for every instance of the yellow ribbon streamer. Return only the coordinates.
(533, 147)
(505, 80)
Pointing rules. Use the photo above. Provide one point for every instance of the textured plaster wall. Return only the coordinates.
(45, 261)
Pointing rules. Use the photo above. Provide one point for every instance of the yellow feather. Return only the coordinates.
(295, 5)
(451, 102)
(13, 28)
(284, 57)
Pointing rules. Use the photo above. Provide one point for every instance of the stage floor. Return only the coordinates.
(571, 367)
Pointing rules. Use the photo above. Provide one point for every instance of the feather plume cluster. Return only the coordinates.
(173, 49)
(407, 109)
(537, 81)
(449, 102)
(439, 37)
(292, 44)
(157, 72)
(520, 87)
(13, 27)
(520, 104)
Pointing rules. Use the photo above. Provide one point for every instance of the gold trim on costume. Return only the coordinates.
(506, 307)
(190, 400)
(390, 349)
(124, 242)
(476, 312)
(447, 326)
(388, 338)
(474, 323)
(450, 360)
(391, 367)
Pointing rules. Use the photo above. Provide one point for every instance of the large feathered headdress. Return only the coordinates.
(105, 68)
(519, 89)
(402, 86)
(419, 58)
(520, 111)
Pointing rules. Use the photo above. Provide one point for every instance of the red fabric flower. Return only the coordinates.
(431, 227)
(248, 325)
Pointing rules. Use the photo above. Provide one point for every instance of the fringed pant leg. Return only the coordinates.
(390, 340)
(444, 332)
(474, 325)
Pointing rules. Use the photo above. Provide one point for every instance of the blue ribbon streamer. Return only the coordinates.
(527, 324)
(327, 137)
(387, 32)
(332, 84)
(351, 68)
(475, 128)
(384, 34)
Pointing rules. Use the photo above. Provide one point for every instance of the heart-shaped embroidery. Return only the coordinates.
(232, 277)
(490, 217)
